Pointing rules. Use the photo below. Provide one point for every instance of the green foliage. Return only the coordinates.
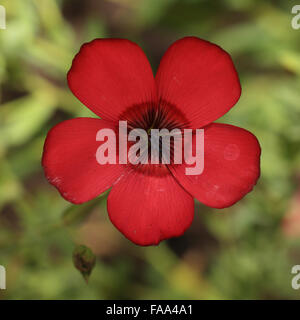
(240, 252)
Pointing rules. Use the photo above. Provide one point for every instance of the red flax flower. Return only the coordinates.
(196, 83)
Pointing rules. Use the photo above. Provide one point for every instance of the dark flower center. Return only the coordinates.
(148, 116)
(151, 115)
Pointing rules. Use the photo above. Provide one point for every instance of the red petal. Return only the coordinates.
(69, 160)
(231, 166)
(150, 208)
(199, 78)
(109, 75)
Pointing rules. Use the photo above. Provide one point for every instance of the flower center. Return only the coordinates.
(149, 116)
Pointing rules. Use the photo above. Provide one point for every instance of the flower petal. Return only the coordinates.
(231, 166)
(150, 208)
(110, 75)
(198, 78)
(69, 160)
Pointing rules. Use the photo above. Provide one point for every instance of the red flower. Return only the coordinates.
(196, 84)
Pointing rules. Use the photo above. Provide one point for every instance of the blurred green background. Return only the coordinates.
(243, 252)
